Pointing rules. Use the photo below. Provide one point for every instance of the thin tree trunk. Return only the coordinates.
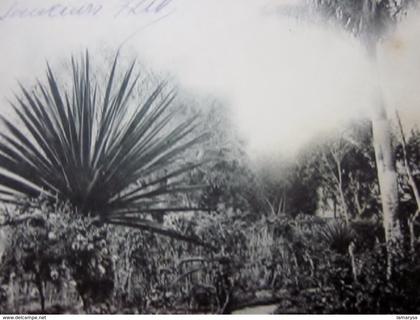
(385, 164)
(356, 191)
(11, 302)
(335, 208)
(411, 221)
(343, 202)
(357, 204)
(339, 179)
(40, 287)
(353, 261)
(413, 185)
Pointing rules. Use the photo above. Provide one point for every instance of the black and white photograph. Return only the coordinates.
(209, 157)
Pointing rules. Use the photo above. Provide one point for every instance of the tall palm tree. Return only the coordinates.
(370, 21)
(98, 148)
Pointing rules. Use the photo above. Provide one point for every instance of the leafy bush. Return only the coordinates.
(336, 290)
(53, 250)
(113, 269)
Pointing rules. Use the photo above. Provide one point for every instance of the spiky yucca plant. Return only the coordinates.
(338, 235)
(98, 148)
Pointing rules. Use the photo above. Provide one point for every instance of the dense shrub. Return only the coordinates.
(301, 262)
(338, 292)
(53, 250)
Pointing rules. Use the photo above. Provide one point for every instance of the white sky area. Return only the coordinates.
(284, 79)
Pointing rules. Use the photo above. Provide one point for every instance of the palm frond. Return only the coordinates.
(337, 235)
(364, 17)
(95, 148)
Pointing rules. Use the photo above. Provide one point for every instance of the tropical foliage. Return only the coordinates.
(96, 146)
(83, 164)
(298, 262)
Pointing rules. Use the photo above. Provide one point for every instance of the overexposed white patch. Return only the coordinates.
(285, 79)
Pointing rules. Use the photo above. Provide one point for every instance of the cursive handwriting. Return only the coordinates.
(136, 7)
(60, 9)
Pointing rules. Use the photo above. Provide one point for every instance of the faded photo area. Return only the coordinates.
(209, 156)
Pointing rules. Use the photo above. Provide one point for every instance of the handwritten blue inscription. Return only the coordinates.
(60, 9)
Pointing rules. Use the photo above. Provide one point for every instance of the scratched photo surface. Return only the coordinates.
(209, 157)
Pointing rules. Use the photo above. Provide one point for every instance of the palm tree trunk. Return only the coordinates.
(387, 175)
(385, 164)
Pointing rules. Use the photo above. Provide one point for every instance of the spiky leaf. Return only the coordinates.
(92, 147)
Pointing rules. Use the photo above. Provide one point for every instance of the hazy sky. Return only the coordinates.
(285, 79)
